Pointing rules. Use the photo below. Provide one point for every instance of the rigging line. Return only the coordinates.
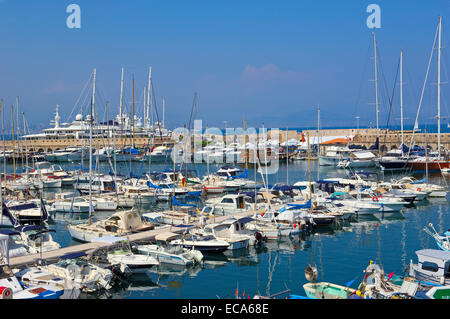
(157, 116)
(361, 81)
(384, 77)
(79, 97)
(391, 100)
(443, 92)
(416, 124)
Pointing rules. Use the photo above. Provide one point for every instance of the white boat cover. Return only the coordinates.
(364, 155)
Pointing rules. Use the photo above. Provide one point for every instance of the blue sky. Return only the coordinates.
(267, 61)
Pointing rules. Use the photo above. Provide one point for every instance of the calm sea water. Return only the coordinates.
(340, 254)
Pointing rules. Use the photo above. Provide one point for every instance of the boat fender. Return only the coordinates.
(294, 225)
(6, 293)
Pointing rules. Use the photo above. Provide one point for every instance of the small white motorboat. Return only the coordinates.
(135, 262)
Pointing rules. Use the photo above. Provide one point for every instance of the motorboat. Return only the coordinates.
(140, 194)
(433, 266)
(326, 290)
(360, 159)
(100, 183)
(11, 288)
(70, 204)
(135, 262)
(37, 239)
(236, 232)
(206, 243)
(231, 203)
(87, 276)
(165, 253)
(226, 231)
(422, 185)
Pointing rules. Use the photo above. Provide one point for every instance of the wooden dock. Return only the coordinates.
(89, 247)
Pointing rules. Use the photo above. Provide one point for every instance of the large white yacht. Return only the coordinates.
(122, 125)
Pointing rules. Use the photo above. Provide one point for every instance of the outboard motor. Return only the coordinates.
(259, 238)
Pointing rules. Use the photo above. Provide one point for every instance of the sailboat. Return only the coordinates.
(120, 223)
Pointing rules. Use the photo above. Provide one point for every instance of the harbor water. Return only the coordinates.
(340, 253)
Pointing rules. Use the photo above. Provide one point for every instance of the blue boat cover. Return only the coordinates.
(73, 255)
(177, 203)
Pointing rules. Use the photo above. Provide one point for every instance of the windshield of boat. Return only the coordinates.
(207, 209)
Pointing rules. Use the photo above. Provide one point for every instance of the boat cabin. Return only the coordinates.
(434, 264)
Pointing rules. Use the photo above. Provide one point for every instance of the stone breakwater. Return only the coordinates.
(367, 137)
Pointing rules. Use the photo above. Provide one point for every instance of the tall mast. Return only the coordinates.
(90, 147)
(309, 167)
(149, 100)
(93, 96)
(121, 109)
(439, 88)
(376, 77)
(13, 142)
(26, 146)
(145, 107)
(401, 96)
(4, 146)
(287, 158)
(132, 143)
(163, 110)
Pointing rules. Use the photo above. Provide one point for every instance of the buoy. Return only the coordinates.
(6, 293)
(311, 273)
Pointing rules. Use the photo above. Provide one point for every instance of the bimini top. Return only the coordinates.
(434, 254)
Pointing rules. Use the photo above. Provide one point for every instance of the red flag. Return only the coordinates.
(236, 293)
(390, 275)
(248, 296)
(243, 295)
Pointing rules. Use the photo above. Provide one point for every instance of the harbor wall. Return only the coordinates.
(367, 137)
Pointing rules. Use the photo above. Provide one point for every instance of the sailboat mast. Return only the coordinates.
(13, 142)
(309, 167)
(132, 143)
(401, 96)
(4, 146)
(90, 147)
(376, 77)
(26, 146)
(439, 88)
(121, 109)
(149, 90)
(287, 158)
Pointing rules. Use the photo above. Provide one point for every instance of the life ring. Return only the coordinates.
(419, 189)
(375, 199)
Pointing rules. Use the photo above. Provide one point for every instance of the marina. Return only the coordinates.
(113, 187)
